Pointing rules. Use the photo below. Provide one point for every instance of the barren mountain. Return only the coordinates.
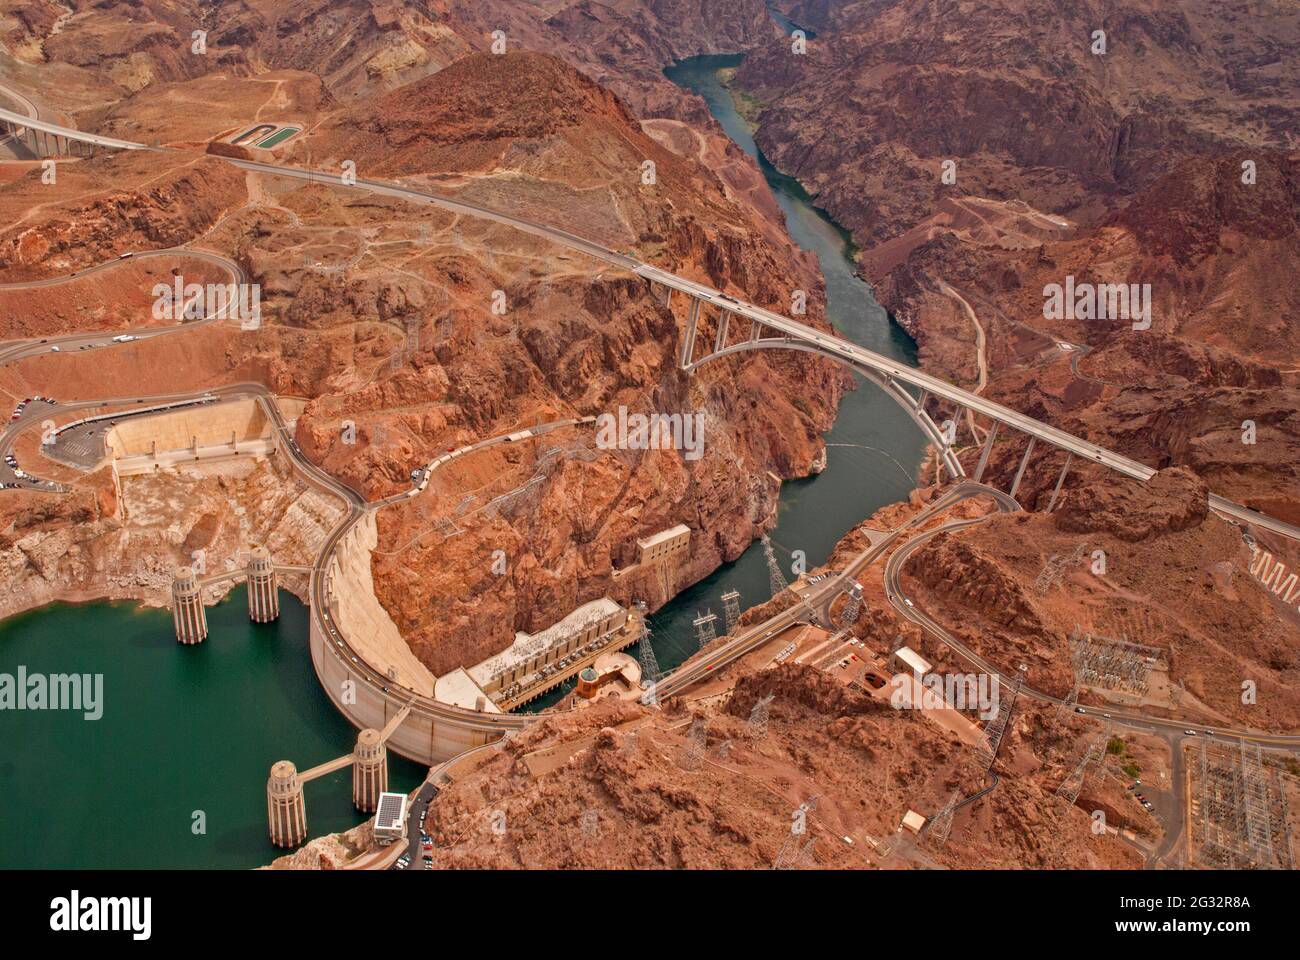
(358, 46)
(1017, 97)
(381, 312)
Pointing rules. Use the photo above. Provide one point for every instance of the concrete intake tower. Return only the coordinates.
(285, 808)
(369, 770)
(263, 591)
(187, 607)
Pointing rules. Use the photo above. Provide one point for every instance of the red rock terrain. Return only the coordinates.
(609, 787)
(380, 311)
(358, 46)
(379, 314)
(1121, 168)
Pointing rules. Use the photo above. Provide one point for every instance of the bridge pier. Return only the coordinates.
(1059, 481)
(988, 449)
(286, 810)
(720, 340)
(688, 337)
(263, 591)
(187, 607)
(1024, 462)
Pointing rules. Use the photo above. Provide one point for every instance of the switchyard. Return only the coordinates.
(1239, 810)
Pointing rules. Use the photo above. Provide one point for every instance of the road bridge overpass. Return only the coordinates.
(768, 330)
(56, 138)
(439, 730)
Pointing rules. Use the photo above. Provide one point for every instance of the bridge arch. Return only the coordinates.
(892, 388)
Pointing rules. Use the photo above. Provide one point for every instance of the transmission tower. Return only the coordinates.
(758, 718)
(939, 828)
(1069, 703)
(1071, 785)
(731, 609)
(645, 652)
(998, 725)
(704, 630)
(696, 740)
(775, 577)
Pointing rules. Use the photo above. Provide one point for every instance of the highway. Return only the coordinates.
(794, 335)
(55, 129)
(28, 107)
(68, 343)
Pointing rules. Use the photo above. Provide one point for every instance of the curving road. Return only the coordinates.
(909, 610)
(816, 603)
(794, 335)
(77, 342)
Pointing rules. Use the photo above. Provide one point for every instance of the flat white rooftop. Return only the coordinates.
(918, 663)
(663, 535)
(529, 645)
(459, 689)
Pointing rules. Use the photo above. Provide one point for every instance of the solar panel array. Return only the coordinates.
(391, 806)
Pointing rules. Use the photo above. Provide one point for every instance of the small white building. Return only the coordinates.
(913, 661)
(390, 818)
(664, 544)
(913, 821)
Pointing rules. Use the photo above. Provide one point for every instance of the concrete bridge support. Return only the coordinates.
(988, 449)
(369, 770)
(263, 590)
(187, 607)
(1056, 491)
(285, 808)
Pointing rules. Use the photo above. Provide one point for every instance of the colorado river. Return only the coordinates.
(186, 738)
(874, 449)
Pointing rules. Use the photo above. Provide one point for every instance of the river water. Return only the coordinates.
(874, 449)
(190, 729)
(183, 730)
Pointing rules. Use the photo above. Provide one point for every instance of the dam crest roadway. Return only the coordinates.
(430, 731)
